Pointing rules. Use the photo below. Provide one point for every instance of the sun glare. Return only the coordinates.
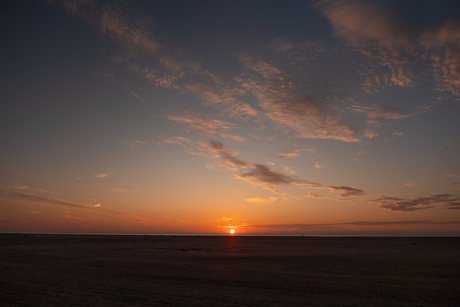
(232, 231)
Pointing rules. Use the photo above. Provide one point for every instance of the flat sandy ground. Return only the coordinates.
(71, 270)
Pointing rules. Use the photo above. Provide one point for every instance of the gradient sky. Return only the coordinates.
(288, 117)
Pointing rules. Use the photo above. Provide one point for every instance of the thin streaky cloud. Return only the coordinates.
(257, 201)
(314, 226)
(120, 190)
(206, 127)
(54, 201)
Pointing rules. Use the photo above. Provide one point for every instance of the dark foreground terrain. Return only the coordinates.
(71, 270)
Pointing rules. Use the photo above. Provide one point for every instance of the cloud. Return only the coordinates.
(217, 95)
(316, 226)
(104, 175)
(255, 173)
(414, 204)
(347, 191)
(355, 19)
(261, 201)
(377, 117)
(453, 205)
(409, 183)
(275, 190)
(398, 133)
(142, 100)
(118, 190)
(132, 33)
(206, 127)
(141, 49)
(178, 220)
(454, 183)
(227, 218)
(228, 155)
(287, 155)
(193, 148)
(294, 111)
(294, 150)
(312, 195)
(54, 201)
(259, 174)
(319, 165)
(20, 187)
(132, 144)
(391, 43)
(262, 174)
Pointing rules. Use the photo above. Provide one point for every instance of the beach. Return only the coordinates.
(138, 270)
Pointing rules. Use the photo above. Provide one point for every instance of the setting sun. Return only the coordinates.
(232, 231)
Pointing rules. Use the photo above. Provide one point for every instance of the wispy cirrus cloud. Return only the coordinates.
(207, 127)
(67, 204)
(288, 103)
(53, 201)
(275, 191)
(120, 190)
(390, 42)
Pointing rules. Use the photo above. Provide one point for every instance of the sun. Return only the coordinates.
(232, 231)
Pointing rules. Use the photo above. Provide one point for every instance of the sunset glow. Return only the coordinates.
(269, 117)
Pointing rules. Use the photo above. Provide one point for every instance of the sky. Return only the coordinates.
(266, 117)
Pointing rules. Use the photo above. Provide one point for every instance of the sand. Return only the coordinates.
(75, 270)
